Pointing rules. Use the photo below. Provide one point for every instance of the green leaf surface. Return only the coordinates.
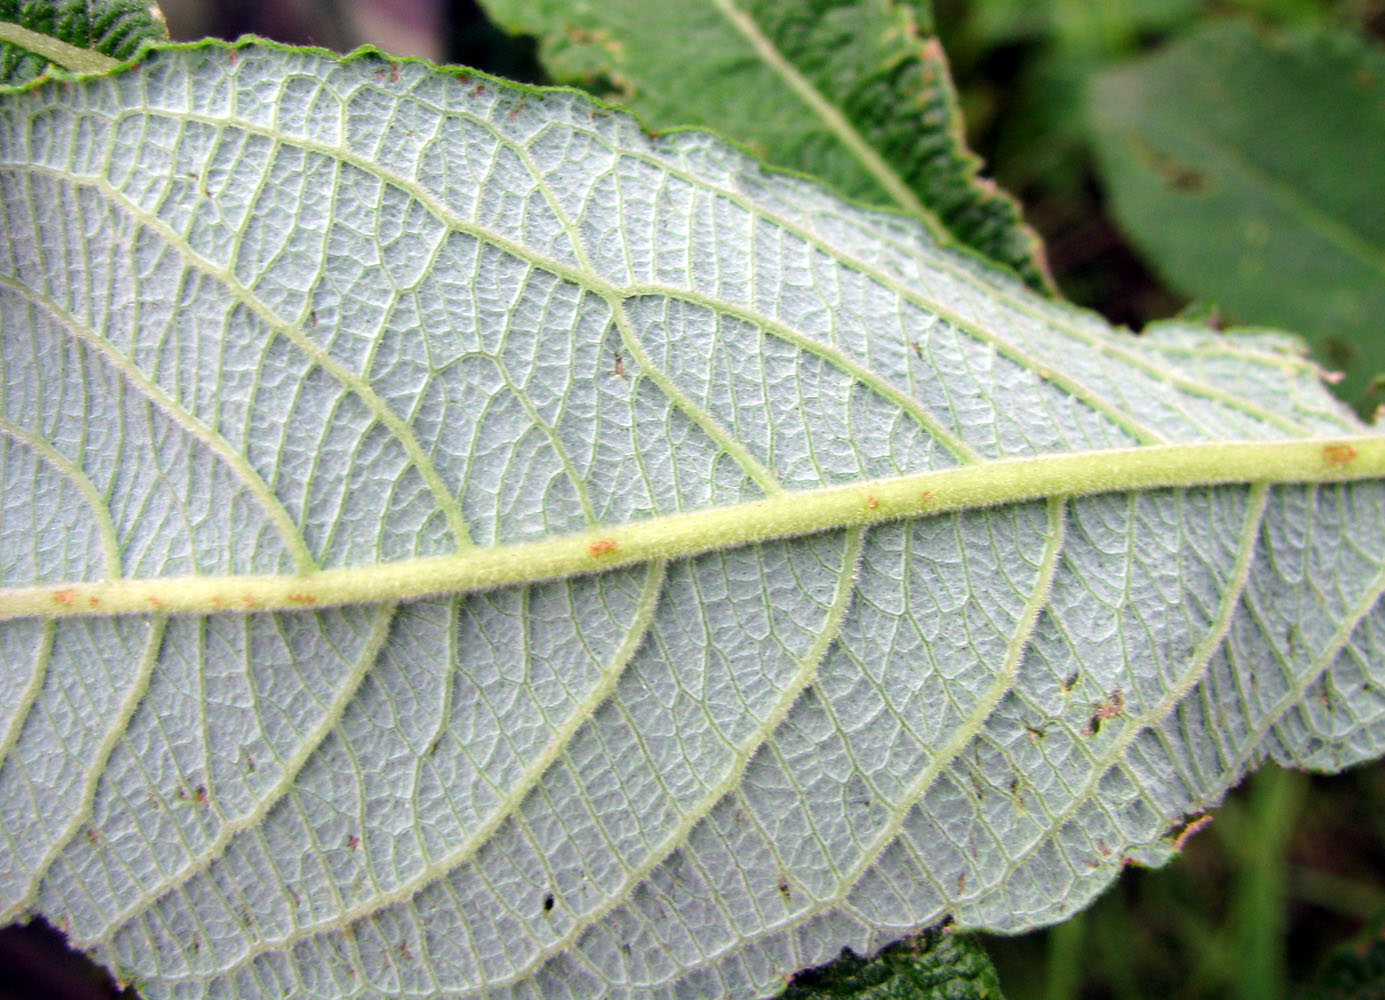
(112, 28)
(932, 966)
(1353, 972)
(855, 92)
(1249, 172)
(602, 566)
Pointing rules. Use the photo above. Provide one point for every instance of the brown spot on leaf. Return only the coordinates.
(1175, 173)
(1338, 455)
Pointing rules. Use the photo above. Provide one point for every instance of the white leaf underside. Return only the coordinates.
(266, 311)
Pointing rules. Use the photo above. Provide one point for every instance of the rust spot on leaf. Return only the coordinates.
(64, 597)
(304, 599)
(602, 547)
(1338, 455)
(872, 502)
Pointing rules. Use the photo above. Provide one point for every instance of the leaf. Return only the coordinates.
(932, 966)
(856, 92)
(114, 28)
(1279, 147)
(1353, 972)
(453, 543)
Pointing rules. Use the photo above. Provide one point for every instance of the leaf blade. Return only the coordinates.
(743, 759)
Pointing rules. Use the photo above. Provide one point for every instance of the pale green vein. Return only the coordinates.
(509, 805)
(579, 485)
(1235, 349)
(1198, 660)
(831, 116)
(940, 259)
(967, 731)
(24, 703)
(69, 57)
(234, 460)
(116, 726)
(1052, 313)
(832, 355)
(680, 535)
(709, 425)
(730, 780)
(1114, 752)
(357, 385)
(110, 545)
(1295, 692)
(586, 278)
(1061, 316)
(201, 860)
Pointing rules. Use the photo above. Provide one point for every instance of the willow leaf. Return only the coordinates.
(455, 544)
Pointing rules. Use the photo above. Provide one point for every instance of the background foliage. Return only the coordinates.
(1293, 866)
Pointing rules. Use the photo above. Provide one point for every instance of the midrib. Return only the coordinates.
(830, 115)
(676, 536)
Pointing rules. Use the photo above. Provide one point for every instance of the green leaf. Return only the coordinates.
(1277, 148)
(74, 34)
(932, 966)
(453, 543)
(855, 92)
(1353, 972)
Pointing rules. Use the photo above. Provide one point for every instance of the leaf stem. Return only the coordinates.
(69, 57)
(676, 536)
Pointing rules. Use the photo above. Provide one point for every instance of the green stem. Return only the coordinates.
(676, 536)
(1066, 948)
(69, 57)
(1260, 894)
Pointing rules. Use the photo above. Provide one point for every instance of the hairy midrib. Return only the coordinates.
(675, 536)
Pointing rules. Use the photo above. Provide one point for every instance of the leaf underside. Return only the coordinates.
(266, 311)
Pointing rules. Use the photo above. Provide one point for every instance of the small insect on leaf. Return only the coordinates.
(1112, 708)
